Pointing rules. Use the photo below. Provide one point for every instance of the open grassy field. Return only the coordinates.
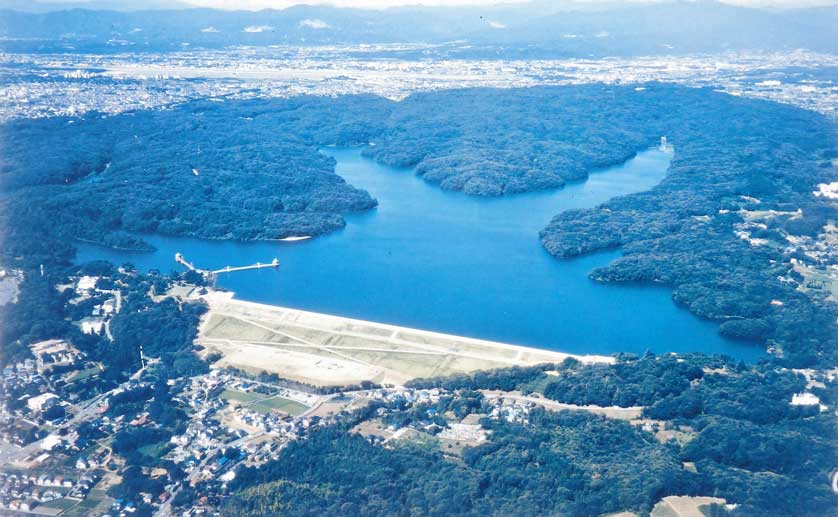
(292, 407)
(822, 282)
(328, 350)
(62, 504)
(265, 403)
(240, 396)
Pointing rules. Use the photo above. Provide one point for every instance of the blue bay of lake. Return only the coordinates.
(448, 262)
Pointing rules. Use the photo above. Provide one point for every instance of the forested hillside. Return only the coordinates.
(491, 142)
(548, 468)
(737, 206)
(245, 170)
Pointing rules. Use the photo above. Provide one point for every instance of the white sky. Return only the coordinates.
(279, 4)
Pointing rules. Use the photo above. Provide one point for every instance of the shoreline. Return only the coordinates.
(228, 297)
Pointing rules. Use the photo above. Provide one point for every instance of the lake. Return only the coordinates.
(449, 262)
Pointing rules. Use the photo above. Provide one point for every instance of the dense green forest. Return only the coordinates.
(490, 142)
(720, 229)
(246, 170)
(745, 443)
(555, 466)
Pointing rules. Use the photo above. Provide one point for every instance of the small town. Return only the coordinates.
(232, 421)
(59, 442)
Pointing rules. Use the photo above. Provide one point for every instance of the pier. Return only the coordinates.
(211, 274)
(274, 263)
(182, 261)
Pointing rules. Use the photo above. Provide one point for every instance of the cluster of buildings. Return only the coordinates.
(225, 431)
(274, 423)
(53, 354)
(93, 461)
(40, 384)
(20, 375)
(122, 508)
(202, 437)
(400, 393)
(24, 492)
(466, 431)
(216, 424)
(510, 410)
(83, 486)
(38, 387)
(16, 432)
(98, 320)
(24, 390)
(40, 467)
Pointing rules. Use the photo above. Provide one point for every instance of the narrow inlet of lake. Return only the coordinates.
(448, 262)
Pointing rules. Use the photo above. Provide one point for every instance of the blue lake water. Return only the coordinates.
(453, 263)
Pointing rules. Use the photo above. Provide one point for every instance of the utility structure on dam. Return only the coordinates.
(211, 275)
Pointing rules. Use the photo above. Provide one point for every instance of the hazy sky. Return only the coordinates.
(265, 4)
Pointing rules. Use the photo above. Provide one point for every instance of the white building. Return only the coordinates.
(50, 443)
(805, 399)
(91, 325)
(86, 283)
(42, 402)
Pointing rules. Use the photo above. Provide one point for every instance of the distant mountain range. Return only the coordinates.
(540, 28)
